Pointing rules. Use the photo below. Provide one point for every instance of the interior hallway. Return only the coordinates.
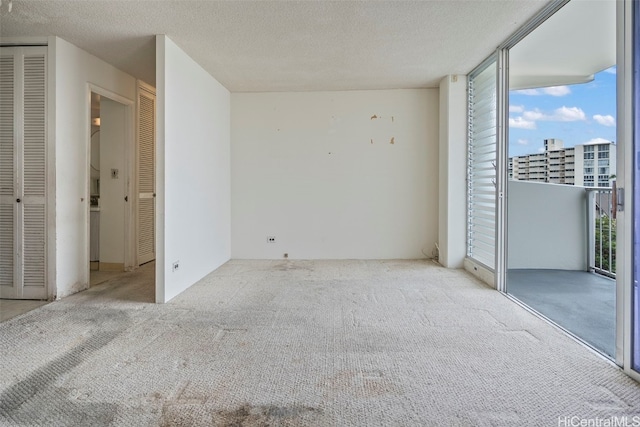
(301, 343)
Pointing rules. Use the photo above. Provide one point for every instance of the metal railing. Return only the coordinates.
(601, 230)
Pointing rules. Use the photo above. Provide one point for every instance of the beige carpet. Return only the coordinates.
(322, 343)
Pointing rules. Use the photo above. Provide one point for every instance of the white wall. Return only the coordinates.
(319, 172)
(547, 226)
(193, 171)
(112, 191)
(453, 171)
(74, 70)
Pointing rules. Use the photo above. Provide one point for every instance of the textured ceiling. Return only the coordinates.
(282, 45)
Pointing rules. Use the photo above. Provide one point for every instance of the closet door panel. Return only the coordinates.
(8, 178)
(23, 173)
(146, 174)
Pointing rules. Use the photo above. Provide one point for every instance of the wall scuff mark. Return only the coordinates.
(393, 140)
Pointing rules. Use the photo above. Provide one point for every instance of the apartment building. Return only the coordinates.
(590, 165)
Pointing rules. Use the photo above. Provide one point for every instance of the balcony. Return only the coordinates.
(561, 257)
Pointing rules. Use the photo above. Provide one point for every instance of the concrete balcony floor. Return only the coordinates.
(581, 302)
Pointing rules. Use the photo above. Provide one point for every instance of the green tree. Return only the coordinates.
(606, 242)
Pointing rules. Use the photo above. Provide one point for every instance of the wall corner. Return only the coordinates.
(453, 169)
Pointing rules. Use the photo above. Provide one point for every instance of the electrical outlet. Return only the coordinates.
(271, 239)
(176, 265)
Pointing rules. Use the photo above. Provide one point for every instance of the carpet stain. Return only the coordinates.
(17, 400)
(360, 384)
(293, 266)
(244, 416)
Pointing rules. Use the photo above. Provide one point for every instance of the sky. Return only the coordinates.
(575, 114)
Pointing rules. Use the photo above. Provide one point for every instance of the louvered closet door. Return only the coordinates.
(146, 174)
(8, 205)
(23, 177)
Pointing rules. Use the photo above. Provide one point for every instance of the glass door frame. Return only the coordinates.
(628, 146)
(625, 315)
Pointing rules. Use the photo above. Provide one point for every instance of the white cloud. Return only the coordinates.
(598, 141)
(541, 150)
(607, 120)
(523, 142)
(557, 90)
(516, 108)
(529, 118)
(520, 123)
(562, 114)
(534, 115)
(568, 114)
(530, 92)
(612, 70)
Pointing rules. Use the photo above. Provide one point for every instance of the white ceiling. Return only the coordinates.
(285, 45)
(576, 42)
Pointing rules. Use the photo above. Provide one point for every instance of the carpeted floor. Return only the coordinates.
(294, 343)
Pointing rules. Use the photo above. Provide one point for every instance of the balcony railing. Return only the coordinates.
(601, 230)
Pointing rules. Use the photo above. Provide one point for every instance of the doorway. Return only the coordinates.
(562, 168)
(121, 184)
(109, 210)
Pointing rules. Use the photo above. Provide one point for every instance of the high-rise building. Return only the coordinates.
(588, 165)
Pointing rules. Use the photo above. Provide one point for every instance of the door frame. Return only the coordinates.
(625, 175)
(129, 172)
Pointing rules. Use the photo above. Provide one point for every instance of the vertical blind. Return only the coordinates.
(481, 166)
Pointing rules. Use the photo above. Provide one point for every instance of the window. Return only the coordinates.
(481, 161)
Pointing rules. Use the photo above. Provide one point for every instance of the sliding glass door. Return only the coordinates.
(635, 291)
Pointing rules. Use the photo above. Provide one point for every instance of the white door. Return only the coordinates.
(23, 172)
(146, 172)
